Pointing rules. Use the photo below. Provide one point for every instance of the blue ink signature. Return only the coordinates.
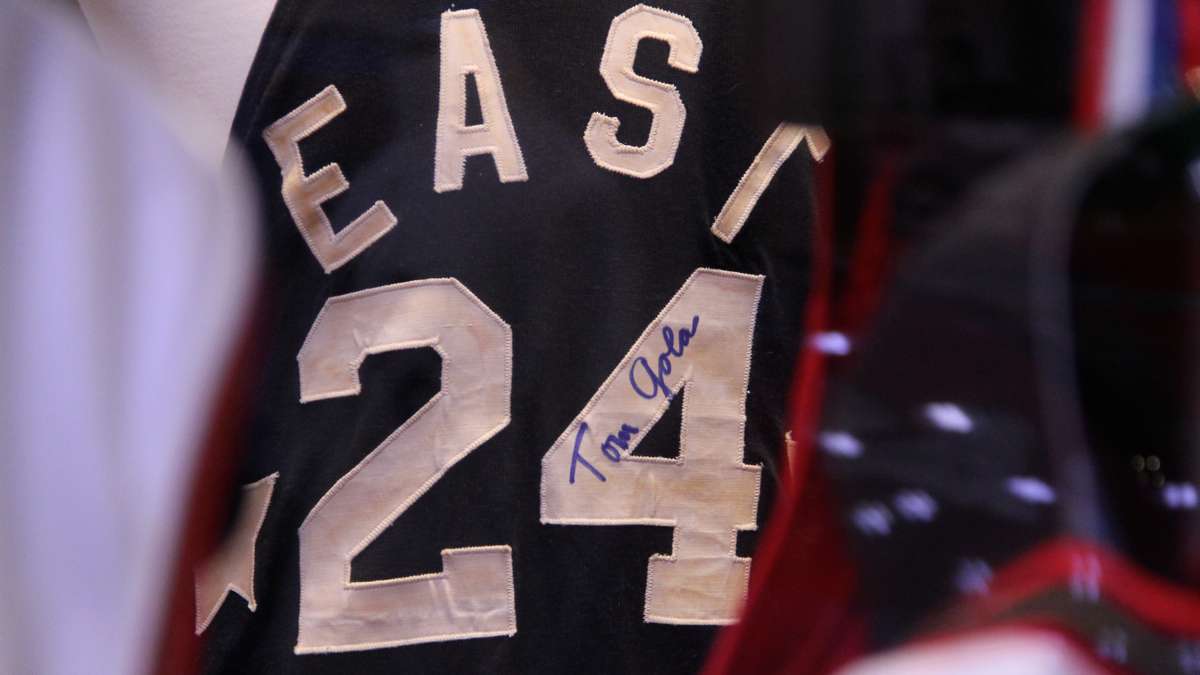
(615, 443)
(609, 448)
(658, 379)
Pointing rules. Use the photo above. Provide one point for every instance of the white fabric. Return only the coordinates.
(473, 594)
(661, 99)
(699, 345)
(1128, 61)
(465, 51)
(779, 146)
(124, 262)
(304, 193)
(997, 652)
(231, 568)
(196, 54)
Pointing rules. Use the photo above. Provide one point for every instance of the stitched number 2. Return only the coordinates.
(699, 345)
(473, 594)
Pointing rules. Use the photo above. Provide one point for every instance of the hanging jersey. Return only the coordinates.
(536, 281)
(988, 413)
(1075, 606)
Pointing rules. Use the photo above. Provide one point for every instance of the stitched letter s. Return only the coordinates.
(660, 98)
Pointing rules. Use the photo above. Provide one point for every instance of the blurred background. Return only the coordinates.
(992, 451)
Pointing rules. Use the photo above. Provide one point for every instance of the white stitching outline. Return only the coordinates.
(202, 623)
(313, 222)
(460, 110)
(740, 465)
(601, 130)
(685, 382)
(637, 345)
(778, 148)
(396, 513)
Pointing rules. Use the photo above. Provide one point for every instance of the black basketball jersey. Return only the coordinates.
(536, 276)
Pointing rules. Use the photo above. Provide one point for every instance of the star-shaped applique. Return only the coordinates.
(231, 568)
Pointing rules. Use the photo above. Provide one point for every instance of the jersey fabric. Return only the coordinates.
(577, 259)
(979, 448)
(870, 557)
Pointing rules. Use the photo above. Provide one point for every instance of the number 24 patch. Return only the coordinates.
(698, 347)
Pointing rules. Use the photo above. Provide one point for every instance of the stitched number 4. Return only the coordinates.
(473, 595)
(700, 345)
